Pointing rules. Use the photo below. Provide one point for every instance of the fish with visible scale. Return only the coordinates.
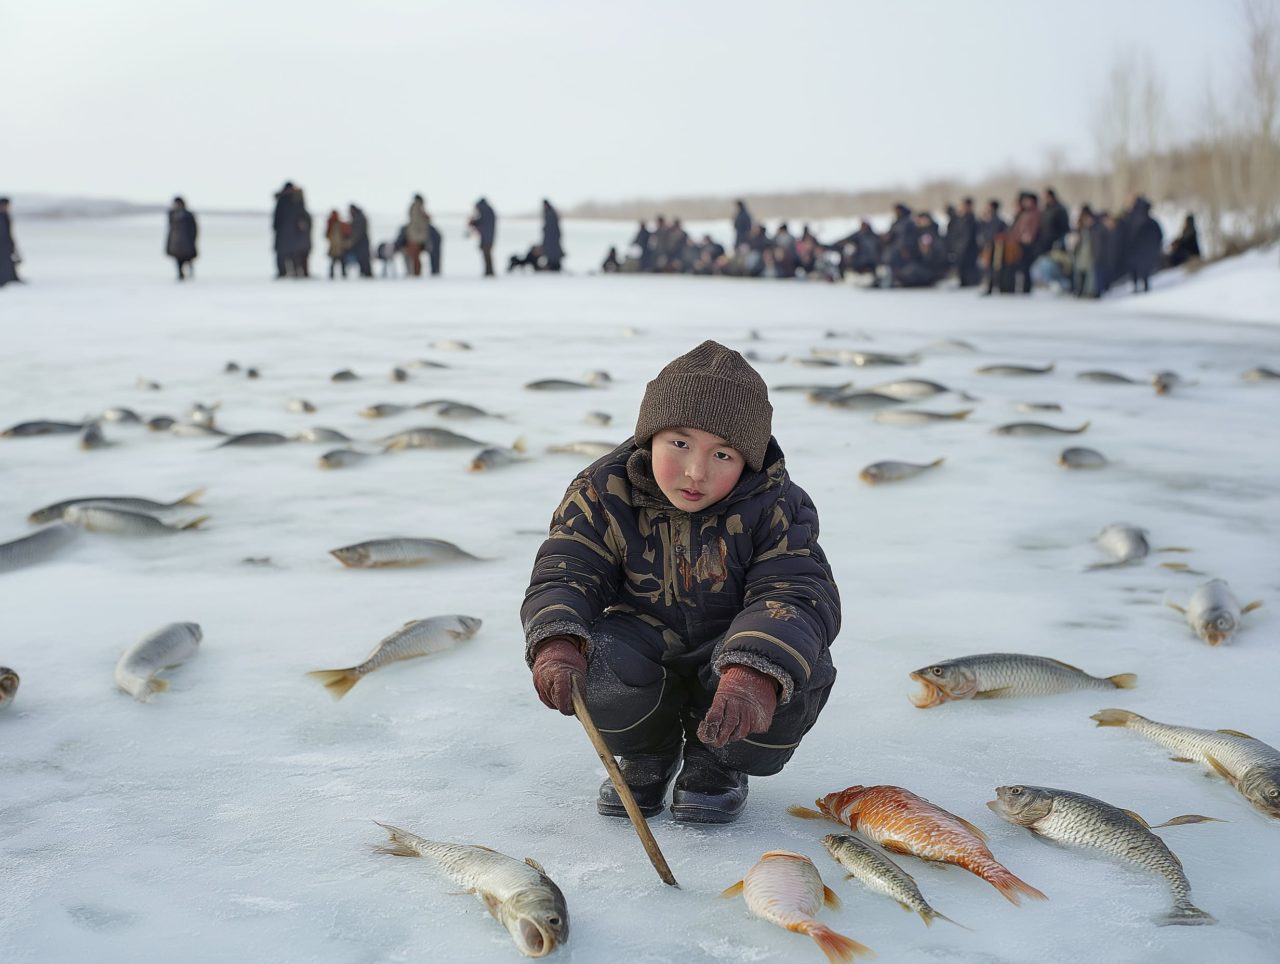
(916, 416)
(104, 518)
(129, 502)
(1105, 378)
(785, 888)
(417, 637)
(1213, 612)
(1037, 429)
(1077, 820)
(861, 401)
(170, 646)
(36, 547)
(254, 440)
(320, 434)
(342, 458)
(872, 867)
(400, 551)
(1248, 764)
(496, 458)
(92, 438)
(42, 427)
(383, 410)
(1012, 371)
(9, 681)
(557, 385)
(593, 450)
(300, 405)
(430, 437)
(1079, 457)
(903, 823)
(518, 893)
(890, 471)
(995, 675)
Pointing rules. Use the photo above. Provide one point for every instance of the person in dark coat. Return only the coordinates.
(1186, 246)
(611, 263)
(287, 228)
(741, 224)
(1144, 244)
(552, 251)
(683, 588)
(180, 243)
(485, 224)
(302, 261)
(962, 244)
(435, 252)
(1024, 234)
(1055, 224)
(9, 259)
(360, 239)
(641, 242)
(1108, 252)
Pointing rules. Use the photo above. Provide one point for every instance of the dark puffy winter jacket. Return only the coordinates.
(748, 568)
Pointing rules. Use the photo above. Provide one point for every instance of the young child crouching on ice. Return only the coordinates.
(683, 582)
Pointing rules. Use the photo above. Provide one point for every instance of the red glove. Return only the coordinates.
(557, 661)
(744, 703)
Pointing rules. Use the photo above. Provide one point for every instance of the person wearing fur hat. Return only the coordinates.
(683, 586)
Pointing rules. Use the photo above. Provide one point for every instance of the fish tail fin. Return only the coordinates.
(1083, 427)
(1117, 718)
(1188, 818)
(1186, 913)
(520, 445)
(1175, 606)
(929, 915)
(195, 523)
(1013, 888)
(1123, 681)
(192, 498)
(805, 813)
(936, 462)
(1256, 604)
(837, 947)
(155, 685)
(400, 844)
(336, 681)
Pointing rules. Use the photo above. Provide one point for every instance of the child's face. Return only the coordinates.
(693, 468)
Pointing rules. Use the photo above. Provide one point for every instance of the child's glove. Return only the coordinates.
(555, 664)
(744, 703)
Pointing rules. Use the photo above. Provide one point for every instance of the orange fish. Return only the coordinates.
(901, 822)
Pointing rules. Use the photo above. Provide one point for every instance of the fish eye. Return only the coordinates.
(1273, 793)
(1015, 791)
(935, 670)
(553, 921)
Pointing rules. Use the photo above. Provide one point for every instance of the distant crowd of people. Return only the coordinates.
(1040, 245)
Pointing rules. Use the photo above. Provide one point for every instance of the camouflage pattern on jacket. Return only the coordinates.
(747, 574)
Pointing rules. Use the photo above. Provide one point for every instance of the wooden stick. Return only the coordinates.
(620, 784)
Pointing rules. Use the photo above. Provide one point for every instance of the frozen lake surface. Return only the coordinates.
(231, 817)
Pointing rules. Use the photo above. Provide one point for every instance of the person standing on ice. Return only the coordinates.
(337, 235)
(485, 224)
(683, 585)
(288, 234)
(552, 252)
(434, 242)
(360, 239)
(9, 259)
(180, 244)
(741, 224)
(416, 235)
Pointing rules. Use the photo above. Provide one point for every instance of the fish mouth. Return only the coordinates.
(534, 941)
(930, 694)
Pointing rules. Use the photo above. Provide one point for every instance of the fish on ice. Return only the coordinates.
(132, 503)
(36, 547)
(994, 675)
(400, 551)
(138, 667)
(417, 637)
(1214, 612)
(890, 471)
(874, 869)
(8, 686)
(104, 518)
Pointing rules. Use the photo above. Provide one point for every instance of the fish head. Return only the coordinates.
(351, 555)
(470, 625)
(1217, 626)
(836, 842)
(8, 685)
(871, 474)
(1021, 804)
(942, 682)
(537, 919)
(843, 805)
(194, 630)
(1261, 787)
(41, 516)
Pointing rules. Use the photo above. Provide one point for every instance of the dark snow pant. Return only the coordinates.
(647, 701)
(339, 263)
(487, 251)
(185, 268)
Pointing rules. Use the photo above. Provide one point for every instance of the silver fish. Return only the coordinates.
(1105, 378)
(383, 410)
(230, 368)
(417, 637)
(1037, 407)
(1248, 764)
(92, 438)
(400, 551)
(1260, 374)
(36, 547)
(430, 437)
(810, 362)
(557, 385)
(131, 503)
(950, 345)
(598, 418)
(193, 430)
(399, 375)
(254, 440)
(1013, 370)
(519, 894)
(994, 675)
(320, 435)
(1213, 612)
(757, 358)
(161, 423)
(123, 522)
(1077, 820)
(344, 375)
(1035, 429)
(342, 458)
(251, 373)
(873, 868)
(203, 414)
(164, 649)
(9, 681)
(462, 410)
(450, 344)
(593, 450)
(300, 405)
(870, 359)
(597, 377)
(891, 471)
(808, 388)
(425, 363)
(43, 427)
(1078, 457)
(148, 385)
(1125, 544)
(862, 401)
(910, 389)
(825, 393)
(125, 416)
(915, 416)
(495, 458)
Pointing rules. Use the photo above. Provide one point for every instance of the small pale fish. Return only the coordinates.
(915, 416)
(756, 357)
(125, 416)
(891, 471)
(517, 893)
(35, 548)
(450, 344)
(203, 414)
(871, 866)
(1260, 374)
(862, 401)
(400, 551)
(231, 367)
(557, 385)
(598, 418)
(343, 375)
(260, 561)
(1248, 764)
(1078, 457)
(123, 522)
(910, 389)
(1124, 543)
(319, 434)
(495, 458)
(433, 402)
(425, 363)
(1037, 407)
(430, 437)
(92, 438)
(138, 667)
(1076, 820)
(383, 410)
(131, 503)
(43, 427)
(399, 375)
(147, 385)
(254, 440)
(825, 393)
(161, 423)
(462, 410)
(1214, 612)
(950, 345)
(342, 458)
(995, 675)
(300, 405)
(1105, 378)
(8, 686)
(417, 637)
(870, 359)
(1037, 429)
(1014, 370)
(785, 888)
(903, 823)
(632, 332)
(194, 430)
(593, 450)
(597, 377)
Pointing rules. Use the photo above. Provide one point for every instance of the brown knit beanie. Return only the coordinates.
(712, 388)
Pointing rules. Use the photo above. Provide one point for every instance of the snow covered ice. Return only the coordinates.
(231, 818)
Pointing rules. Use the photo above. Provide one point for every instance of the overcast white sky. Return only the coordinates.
(371, 100)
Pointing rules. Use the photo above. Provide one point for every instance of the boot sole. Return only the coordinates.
(618, 810)
(691, 813)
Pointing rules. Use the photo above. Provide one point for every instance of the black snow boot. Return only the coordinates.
(648, 775)
(707, 791)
